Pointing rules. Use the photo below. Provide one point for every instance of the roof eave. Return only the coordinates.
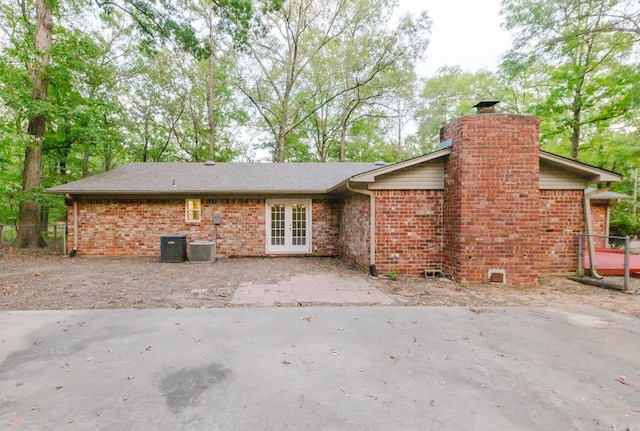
(186, 192)
(599, 175)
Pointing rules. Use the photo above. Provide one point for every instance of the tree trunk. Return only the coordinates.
(85, 162)
(44, 218)
(211, 96)
(280, 140)
(575, 135)
(145, 149)
(343, 126)
(29, 223)
(399, 149)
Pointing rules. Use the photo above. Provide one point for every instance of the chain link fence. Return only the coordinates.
(54, 235)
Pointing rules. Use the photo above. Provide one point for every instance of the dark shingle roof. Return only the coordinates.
(229, 178)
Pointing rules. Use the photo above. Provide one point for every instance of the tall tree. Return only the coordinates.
(29, 233)
(297, 32)
(226, 23)
(590, 81)
(452, 92)
(291, 80)
(370, 64)
(150, 19)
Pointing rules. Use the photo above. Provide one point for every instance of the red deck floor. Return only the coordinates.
(610, 262)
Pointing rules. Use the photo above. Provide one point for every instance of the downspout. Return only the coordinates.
(372, 228)
(589, 228)
(74, 250)
(607, 223)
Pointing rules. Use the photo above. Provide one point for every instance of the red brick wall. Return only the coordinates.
(325, 227)
(408, 231)
(354, 229)
(242, 230)
(134, 227)
(561, 219)
(492, 198)
(598, 223)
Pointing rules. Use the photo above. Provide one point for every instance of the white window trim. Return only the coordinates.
(187, 210)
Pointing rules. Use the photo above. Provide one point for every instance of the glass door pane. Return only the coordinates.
(298, 224)
(277, 224)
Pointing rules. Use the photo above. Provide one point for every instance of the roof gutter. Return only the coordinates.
(372, 227)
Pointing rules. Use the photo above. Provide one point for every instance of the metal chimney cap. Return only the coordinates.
(486, 105)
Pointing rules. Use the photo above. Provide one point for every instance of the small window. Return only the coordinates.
(192, 210)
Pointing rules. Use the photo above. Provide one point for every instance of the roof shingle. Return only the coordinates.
(229, 178)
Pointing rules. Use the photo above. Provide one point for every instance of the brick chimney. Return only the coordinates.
(492, 198)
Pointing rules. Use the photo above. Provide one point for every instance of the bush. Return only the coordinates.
(623, 222)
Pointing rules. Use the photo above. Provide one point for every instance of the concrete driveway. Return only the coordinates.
(320, 368)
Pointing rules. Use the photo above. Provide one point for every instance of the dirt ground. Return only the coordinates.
(42, 281)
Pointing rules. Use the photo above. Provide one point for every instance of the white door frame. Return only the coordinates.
(287, 245)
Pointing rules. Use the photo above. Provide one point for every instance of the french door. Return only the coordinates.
(288, 226)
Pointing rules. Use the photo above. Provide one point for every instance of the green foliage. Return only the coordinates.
(321, 66)
(585, 75)
(623, 220)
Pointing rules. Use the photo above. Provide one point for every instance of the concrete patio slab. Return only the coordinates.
(320, 368)
(312, 288)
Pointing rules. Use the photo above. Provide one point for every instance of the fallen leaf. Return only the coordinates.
(307, 318)
(16, 421)
(285, 362)
(623, 381)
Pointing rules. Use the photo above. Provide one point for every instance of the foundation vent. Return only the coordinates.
(498, 276)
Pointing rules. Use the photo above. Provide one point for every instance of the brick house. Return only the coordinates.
(487, 206)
